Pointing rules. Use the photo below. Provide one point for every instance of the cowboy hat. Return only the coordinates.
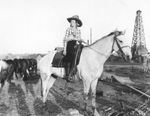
(76, 18)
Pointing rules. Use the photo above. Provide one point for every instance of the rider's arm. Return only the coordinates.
(64, 43)
(66, 38)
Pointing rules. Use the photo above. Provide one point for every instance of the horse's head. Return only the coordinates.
(117, 43)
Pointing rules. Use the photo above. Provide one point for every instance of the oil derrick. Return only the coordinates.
(138, 47)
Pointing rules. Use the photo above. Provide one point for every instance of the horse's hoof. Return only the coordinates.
(44, 109)
(45, 113)
(70, 81)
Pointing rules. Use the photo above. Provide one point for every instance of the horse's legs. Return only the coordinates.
(93, 90)
(47, 83)
(38, 91)
(27, 72)
(86, 84)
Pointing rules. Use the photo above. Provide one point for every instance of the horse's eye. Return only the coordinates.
(120, 41)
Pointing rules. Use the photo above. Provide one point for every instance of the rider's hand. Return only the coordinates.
(83, 41)
(80, 41)
(64, 52)
(71, 37)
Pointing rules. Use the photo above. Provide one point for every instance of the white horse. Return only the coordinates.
(3, 66)
(90, 66)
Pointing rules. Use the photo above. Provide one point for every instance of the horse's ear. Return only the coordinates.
(118, 33)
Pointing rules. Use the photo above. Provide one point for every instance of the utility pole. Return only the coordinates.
(90, 35)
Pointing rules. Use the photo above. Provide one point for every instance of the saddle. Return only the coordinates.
(60, 61)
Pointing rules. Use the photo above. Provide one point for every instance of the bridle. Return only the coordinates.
(115, 40)
(118, 45)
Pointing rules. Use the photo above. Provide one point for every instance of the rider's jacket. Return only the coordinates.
(71, 34)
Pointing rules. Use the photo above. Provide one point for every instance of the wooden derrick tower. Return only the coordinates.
(138, 47)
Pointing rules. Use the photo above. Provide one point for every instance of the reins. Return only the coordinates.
(98, 52)
(115, 39)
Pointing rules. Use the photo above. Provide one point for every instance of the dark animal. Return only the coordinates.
(26, 68)
(32, 66)
(3, 71)
(11, 69)
(22, 68)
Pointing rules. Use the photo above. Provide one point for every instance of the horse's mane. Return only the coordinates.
(102, 38)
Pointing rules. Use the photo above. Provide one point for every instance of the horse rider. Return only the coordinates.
(71, 39)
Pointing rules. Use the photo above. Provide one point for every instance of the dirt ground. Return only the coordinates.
(113, 98)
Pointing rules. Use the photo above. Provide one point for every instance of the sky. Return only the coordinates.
(38, 26)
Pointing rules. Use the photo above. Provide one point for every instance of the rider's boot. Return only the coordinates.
(68, 76)
(66, 72)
